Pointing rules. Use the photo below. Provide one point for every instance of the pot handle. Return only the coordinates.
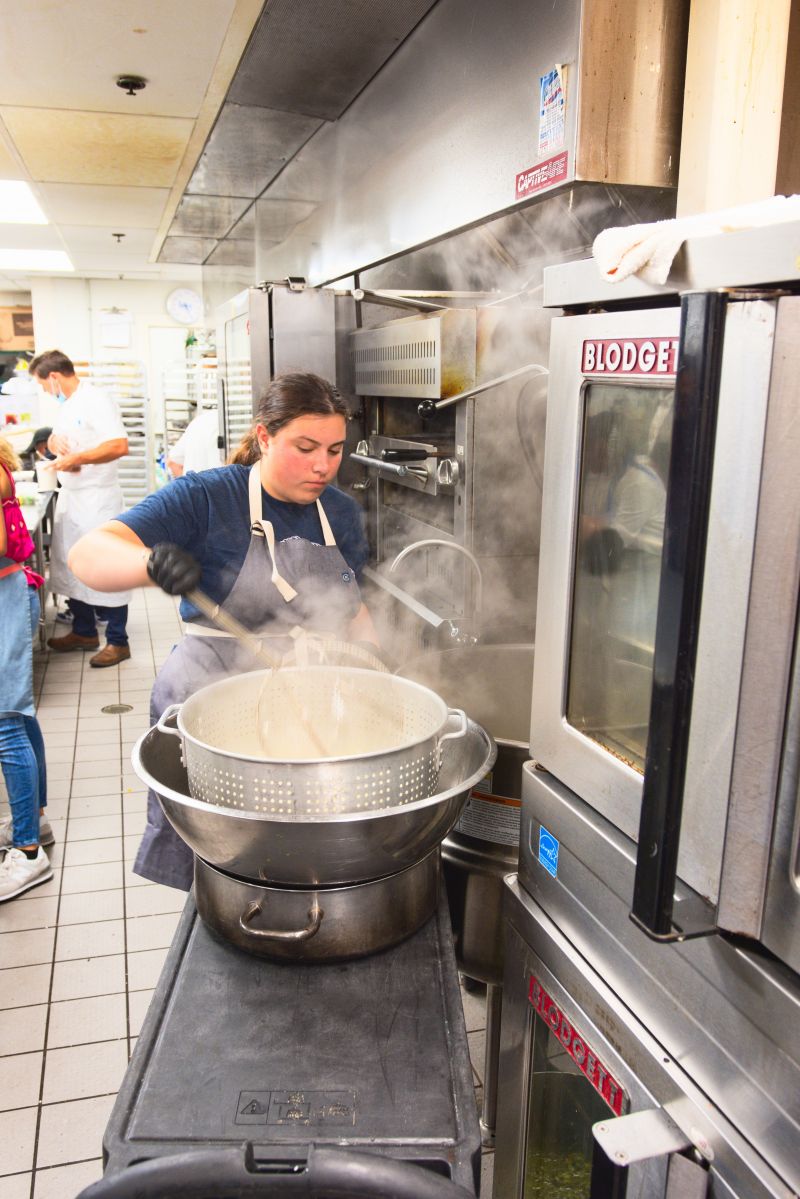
(461, 730)
(167, 714)
(315, 914)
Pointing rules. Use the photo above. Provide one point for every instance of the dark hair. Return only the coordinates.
(51, 360)
(288, 396)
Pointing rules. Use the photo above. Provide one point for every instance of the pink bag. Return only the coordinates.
(19, 543)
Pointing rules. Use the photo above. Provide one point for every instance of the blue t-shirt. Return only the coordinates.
(208, 514)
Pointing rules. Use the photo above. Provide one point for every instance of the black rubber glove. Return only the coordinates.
(175, 571)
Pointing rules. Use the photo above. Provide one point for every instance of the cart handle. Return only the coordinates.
(233, 1173)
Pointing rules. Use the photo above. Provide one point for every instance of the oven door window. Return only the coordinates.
(626, 438)
(562, 1107)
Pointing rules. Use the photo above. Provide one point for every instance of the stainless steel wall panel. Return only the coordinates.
(316, 57)
(191, 250)
(207, 216)
(246, 150)
(233, 252)
(437, 139)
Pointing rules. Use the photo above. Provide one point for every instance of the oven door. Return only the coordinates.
(589, 1103)
(616, 445)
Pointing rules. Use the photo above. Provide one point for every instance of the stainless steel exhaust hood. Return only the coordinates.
(452, 130)
(355, 131)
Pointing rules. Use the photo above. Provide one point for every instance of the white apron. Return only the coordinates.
(78, 512)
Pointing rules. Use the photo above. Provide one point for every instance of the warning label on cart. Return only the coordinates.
(601, 1079)
(328, 1108)
(489, 817)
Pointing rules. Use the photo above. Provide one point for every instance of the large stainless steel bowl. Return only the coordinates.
(309, 851)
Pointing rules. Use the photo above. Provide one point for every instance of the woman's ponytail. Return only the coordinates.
(247, 451)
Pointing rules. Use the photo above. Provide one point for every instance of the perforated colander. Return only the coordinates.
(316, 741)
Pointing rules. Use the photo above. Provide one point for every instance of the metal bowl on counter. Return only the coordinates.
(314, 851)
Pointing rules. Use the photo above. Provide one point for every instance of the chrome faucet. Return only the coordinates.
(455, 633)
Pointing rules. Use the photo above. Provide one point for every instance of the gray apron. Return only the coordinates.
(280, 590)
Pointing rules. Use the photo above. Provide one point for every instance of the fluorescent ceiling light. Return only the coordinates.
(34, 260)
(18, 205)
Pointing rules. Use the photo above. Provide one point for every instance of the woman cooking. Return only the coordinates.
(272, 542)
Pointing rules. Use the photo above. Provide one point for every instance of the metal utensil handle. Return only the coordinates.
(235, 628)
(230, 624)
(315, 914)
(166, 715)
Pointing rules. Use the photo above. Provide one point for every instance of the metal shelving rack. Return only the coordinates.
(124, 382)
(186, 386)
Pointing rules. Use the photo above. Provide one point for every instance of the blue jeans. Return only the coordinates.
(23, 765)
(85, 624)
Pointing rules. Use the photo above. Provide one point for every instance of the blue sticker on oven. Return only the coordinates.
(548, 851)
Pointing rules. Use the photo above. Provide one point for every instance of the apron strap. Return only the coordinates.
(10, 570)
(327, 531)
(263, 528)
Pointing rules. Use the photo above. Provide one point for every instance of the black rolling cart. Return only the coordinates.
(262, 1078)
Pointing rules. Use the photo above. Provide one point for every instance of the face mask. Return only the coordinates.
(60, 397)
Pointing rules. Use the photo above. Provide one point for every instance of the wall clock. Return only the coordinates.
(185, 306)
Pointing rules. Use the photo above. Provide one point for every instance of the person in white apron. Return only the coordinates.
(23, 862)
(88, 438)
(262, 541)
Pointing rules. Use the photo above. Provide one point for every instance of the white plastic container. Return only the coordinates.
(46, 476)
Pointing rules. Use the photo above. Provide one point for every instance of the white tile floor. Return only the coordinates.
(80, 955)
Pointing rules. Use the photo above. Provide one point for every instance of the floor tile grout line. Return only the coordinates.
(40, 1103)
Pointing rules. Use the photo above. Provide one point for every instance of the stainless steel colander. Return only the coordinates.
(253, 742)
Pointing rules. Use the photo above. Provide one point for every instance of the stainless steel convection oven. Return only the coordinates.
(277, 326)
(651, 1023)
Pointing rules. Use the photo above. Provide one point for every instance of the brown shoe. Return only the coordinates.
(63, 645)
(111, 655)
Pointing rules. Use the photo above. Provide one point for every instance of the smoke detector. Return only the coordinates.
(131, 83)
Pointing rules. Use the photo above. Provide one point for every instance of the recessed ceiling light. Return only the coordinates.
(18, 205)
(34, 260)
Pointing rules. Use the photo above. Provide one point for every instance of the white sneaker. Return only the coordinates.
(18, 873)
(7, 830)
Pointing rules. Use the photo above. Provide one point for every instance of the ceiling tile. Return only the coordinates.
(207, 216)
(246, 150)
(175, 46)
(84, 237)
(9, 168)
(121, 208)
(73, 147)
(186, 249)
(30, 237)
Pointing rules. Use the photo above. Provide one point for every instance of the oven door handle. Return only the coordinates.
(680, 595)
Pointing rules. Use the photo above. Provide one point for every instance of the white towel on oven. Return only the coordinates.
(648, 250)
